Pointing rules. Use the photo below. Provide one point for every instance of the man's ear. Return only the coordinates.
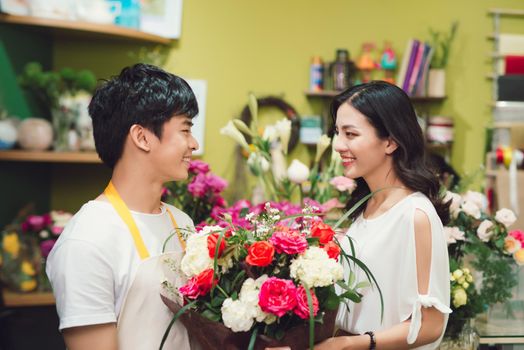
(391, 146)
(139, 136)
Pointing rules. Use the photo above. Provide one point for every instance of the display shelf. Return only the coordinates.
(331, 93)
(49, 156)
(506, 12)
(12, 299)
(65, 27)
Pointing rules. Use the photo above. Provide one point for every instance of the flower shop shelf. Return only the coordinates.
(332, 93)
(68, 28)
(12, 299)
(49, 156)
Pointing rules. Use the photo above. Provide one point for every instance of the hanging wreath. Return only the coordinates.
(286, 108)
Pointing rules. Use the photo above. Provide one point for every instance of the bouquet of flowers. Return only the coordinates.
(280, 182)
(25, 245)
(484, 242)
(268, 282)
(199, 195)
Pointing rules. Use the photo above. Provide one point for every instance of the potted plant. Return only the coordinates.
(62, 94)
(441, 43)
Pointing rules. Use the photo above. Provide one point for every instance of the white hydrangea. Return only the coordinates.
(237, 315)
(471, 209)
(206, 230)
(505, 217)
(249, 293)
(315, 268)
(196, 258)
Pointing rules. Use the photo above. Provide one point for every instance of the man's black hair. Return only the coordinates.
(142, 94)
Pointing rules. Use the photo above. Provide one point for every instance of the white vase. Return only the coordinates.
(437, 83)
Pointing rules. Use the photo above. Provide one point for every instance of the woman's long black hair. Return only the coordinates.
(389, 110)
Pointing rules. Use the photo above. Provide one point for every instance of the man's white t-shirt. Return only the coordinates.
(94, 261)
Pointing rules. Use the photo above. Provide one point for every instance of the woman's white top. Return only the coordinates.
(386, 244)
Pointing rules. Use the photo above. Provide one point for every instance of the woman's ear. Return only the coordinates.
(391, 146)
(139, 137)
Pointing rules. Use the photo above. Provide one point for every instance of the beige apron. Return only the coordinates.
(143, 317)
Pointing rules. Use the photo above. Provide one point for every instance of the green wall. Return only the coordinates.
(265, 47)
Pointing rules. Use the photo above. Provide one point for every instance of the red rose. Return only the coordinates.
(212, 240)
(199, 285)
(260, 253)
(302, 307)
(332, 249)
(322, 231)
(277, 296)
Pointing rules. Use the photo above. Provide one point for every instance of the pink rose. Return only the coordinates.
(343, 183)
(277, 296)
(288, 241)
(198, 166)
(199, 285)
(302, 308)
(518, 235)
(56, 230)
(38, 222)
(198, 186)
(215, 183)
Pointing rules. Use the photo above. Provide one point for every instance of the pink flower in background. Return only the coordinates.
(277, 296)
(331, 204)
(220, 201)
(165, 192)
(302, 308)
(46, 246)
(343, 183)
(198, 186)
(198, 167)
(37, 222)
(288, 241)
(56, 230)
(215, 183)
(518, 235)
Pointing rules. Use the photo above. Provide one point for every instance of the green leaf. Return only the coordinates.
(210, 315)
(352, 295)
(363, 284)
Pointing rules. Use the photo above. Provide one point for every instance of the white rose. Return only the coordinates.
(484, 231)
(44, 234)
(315, 268)
(237, 315)
(297, 172)
(206, 230)
(453, 234)
(471, 209)
(60, 218)
(455, 199)
(505, 217)
(476, 197)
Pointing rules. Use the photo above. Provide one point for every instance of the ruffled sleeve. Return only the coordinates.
(416, 317)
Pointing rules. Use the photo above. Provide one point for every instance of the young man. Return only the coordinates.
(106, 267)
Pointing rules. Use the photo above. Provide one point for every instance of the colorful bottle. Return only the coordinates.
(316, 74)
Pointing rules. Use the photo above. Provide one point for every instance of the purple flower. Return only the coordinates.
(198, 167)
(36, 222)
(46, 246)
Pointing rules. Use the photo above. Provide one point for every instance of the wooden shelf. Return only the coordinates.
(65, 27)
(506, 12)
(49, 156)
(331, 93)
(12, 299)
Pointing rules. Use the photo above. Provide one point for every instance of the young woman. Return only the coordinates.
(398, 232)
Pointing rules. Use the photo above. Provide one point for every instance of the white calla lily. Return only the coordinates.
(297, 172)
(231, 131)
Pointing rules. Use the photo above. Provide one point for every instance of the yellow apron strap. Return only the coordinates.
(175, 225)
(125, 214)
